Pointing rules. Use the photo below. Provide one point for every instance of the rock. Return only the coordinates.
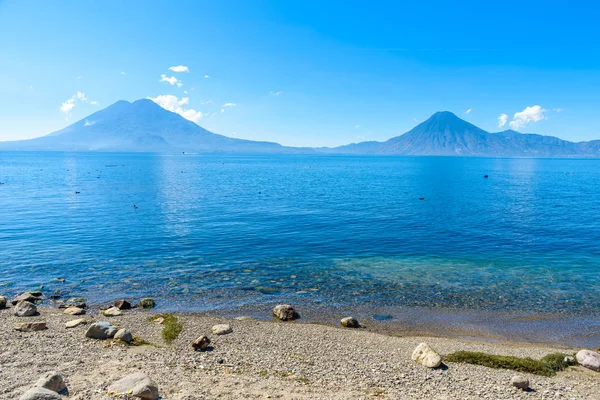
(27, 296)
(123, 305)
(52, 381)
(25, 309)
(136, 385)
(30, 326)
(201, 343)
(101, 330)
(589, 359)
(350, 322)
(221, 329)
(74, 311)
(159, 320)
(426, 356)
(75, 322)
(520, 382)
(112, 312)
(147, 303)
(569, 360)
(38, 393)
(2, 301)
(285, 312)
(70, 305)
(124, 336)
(243, 318)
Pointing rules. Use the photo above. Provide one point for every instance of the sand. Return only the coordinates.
(266, 359)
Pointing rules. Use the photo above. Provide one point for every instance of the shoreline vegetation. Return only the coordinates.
(128, 351)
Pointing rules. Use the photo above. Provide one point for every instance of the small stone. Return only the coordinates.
(589, 359)
(201, 343)
(27, 296)
(75, 322)
(112, 312)
(243, 318)
(136, 385)
(520, 382)
(30, 326)
(38, 393)
(426, 356)
(3, 302)
(569, 360)
(350, 322)
(52, 381)
(147, 303)
(74, 311)
(123, 305)
(222, 329)
(25, 309)
(124, 336)
(101, 330)
(159, 320)
(285, 312)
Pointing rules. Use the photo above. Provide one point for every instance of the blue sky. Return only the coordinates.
(304, 72)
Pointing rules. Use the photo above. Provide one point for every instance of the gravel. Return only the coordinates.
(260, 359)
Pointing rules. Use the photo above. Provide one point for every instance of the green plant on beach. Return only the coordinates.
(547, 366)
(171, 327)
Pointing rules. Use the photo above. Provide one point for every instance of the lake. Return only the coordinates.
(429, 240)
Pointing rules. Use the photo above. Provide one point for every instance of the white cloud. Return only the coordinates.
(185, 92)
(414, 119)
(172, 103)
(356, 126)
(70, 103)
(557, 110)
(179, 68)
(122, 72)
(170, 80)
(272, 93)
(229, 105)
(206, 76)
(468, 111)
(179, 84)
(88, 123)
(527, 116)
(502, 120)
(222, 110)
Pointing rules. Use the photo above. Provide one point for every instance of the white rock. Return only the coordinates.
(426, 356)
(589, 359)
(38, 393)
(112, 312)
(52, 381)
(350, 322)
(74, 311)
(101, 330)
(124, 336)
(75, 322)
(520, 382)
(25, 309)
(285, 312)
(221, 329)
(136, 385)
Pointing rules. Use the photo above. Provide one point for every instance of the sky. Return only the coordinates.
(304, 73)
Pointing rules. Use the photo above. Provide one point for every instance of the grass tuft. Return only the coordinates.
(171, 327)
(547, 366)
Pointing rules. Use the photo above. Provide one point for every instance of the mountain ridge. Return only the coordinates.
(144, 126)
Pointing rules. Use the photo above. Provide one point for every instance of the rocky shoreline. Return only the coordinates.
(123, 351)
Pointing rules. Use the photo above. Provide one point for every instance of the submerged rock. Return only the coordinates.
(38, 393)
(136, 385)
(222, 329)
(382, 317)
(30, 326)
(589, 359)
(285, 312)
(52, 381)
(147, 303)
(25, 309)
(426, 356)
(124, 336)
(201, 343)
(520, 382)
(350, 322)
(101, 330)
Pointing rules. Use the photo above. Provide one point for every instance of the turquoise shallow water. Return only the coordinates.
(224, 233)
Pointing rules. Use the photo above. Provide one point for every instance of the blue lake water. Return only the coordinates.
(231, 234)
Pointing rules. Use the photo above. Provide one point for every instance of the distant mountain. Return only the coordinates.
(142, 126)
(444, 134)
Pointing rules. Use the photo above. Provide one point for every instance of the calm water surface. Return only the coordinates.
(230, 234)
